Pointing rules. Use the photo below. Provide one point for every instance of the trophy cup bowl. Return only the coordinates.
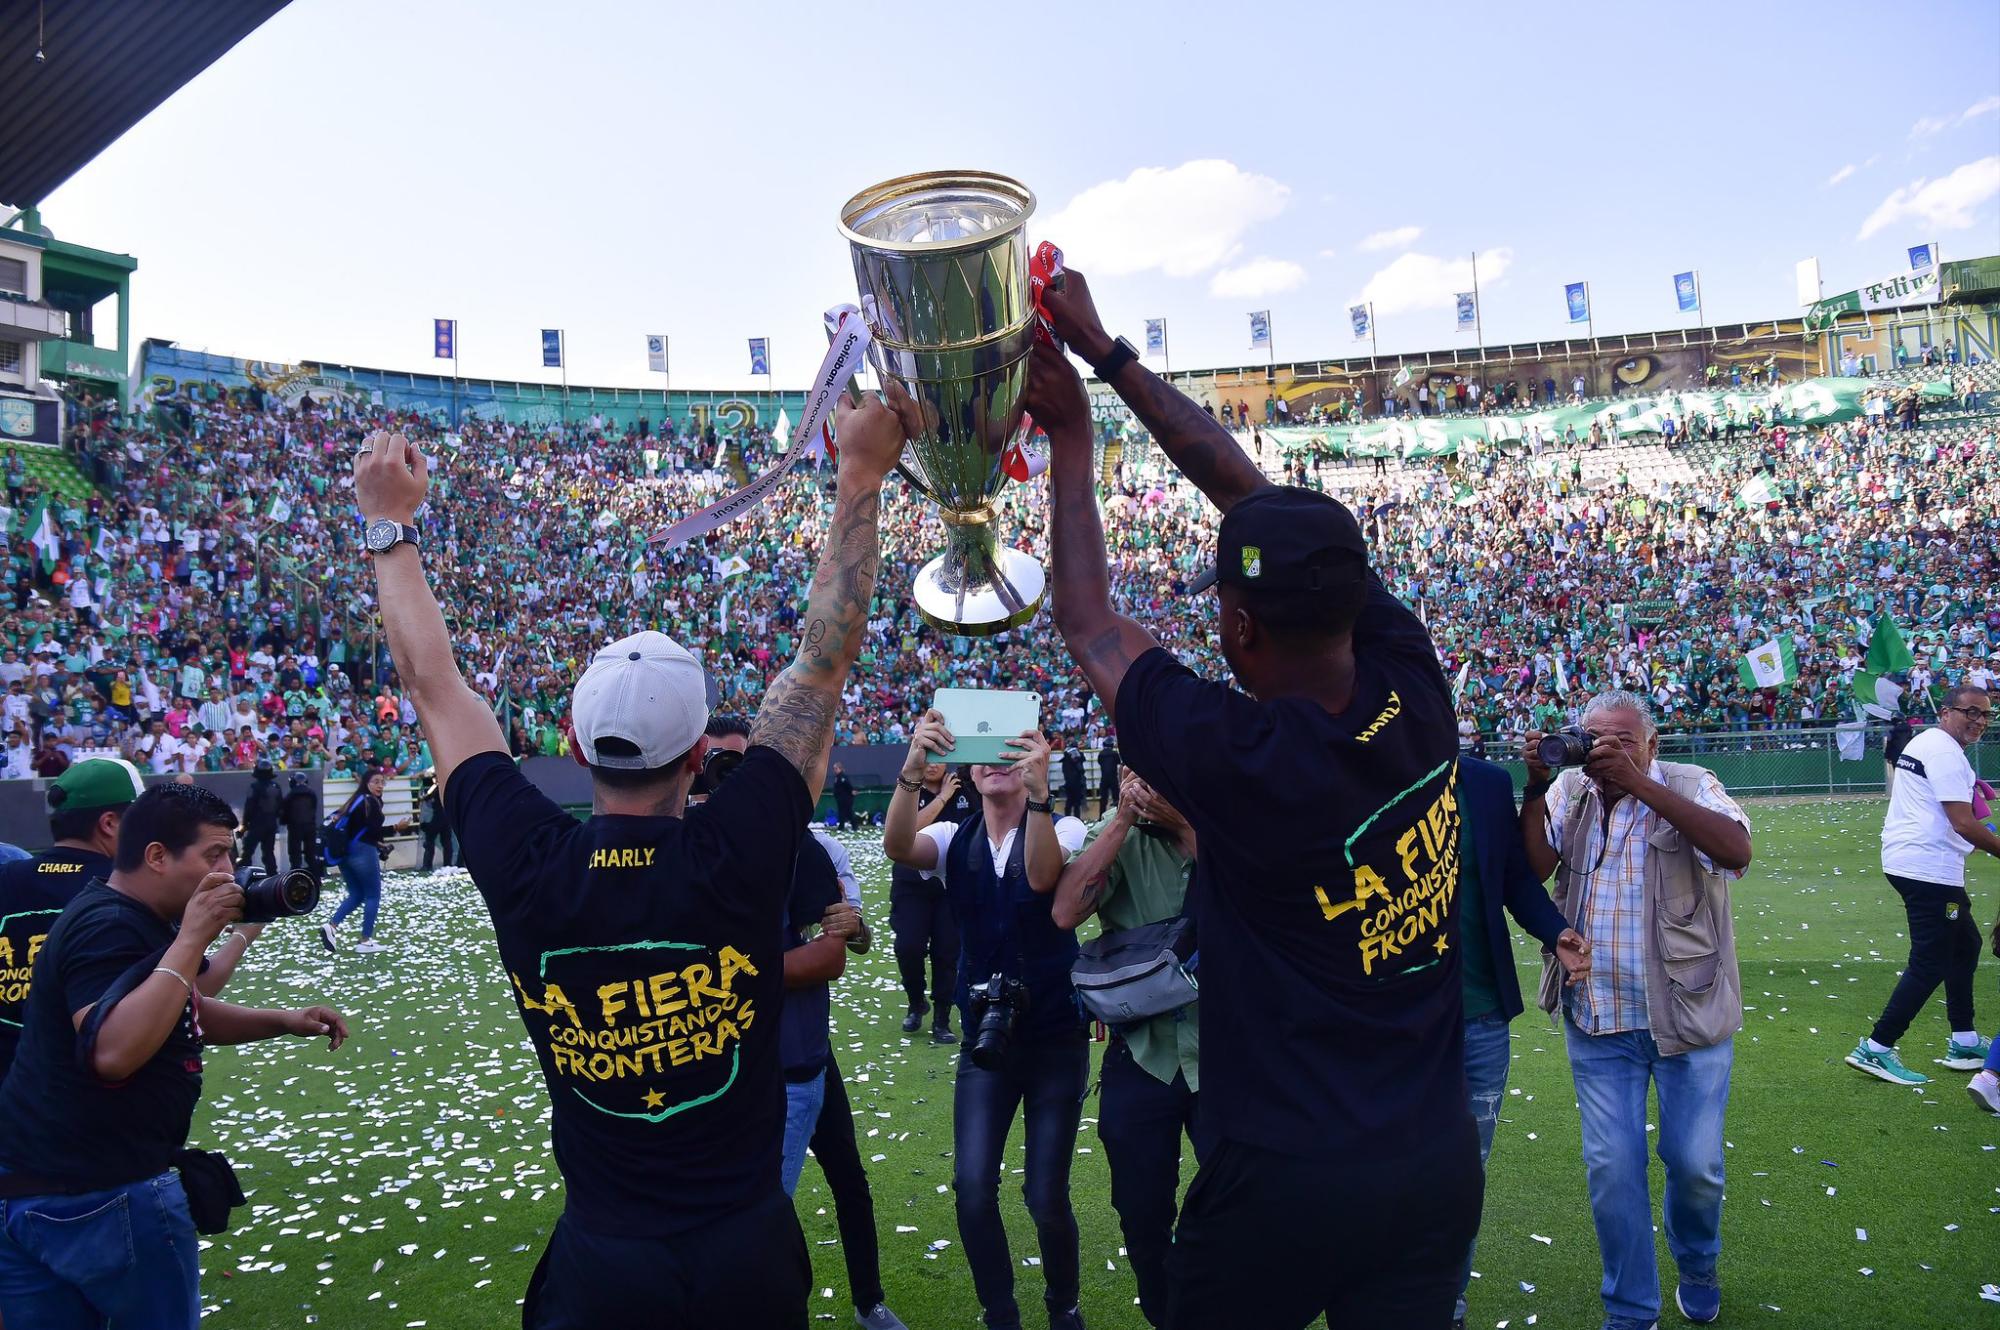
(941, 259)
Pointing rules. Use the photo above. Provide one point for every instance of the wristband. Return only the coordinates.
(1535, 790)
(913, 786)
(1044, 806)
(165, 969)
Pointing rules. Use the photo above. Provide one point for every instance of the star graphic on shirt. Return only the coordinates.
(654, 1099)
(1442, 944)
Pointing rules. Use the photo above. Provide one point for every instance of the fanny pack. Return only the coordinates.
(1135, 974)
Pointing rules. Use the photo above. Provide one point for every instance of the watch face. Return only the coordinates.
(381, 534)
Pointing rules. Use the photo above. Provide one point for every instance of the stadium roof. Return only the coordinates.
(105, 65)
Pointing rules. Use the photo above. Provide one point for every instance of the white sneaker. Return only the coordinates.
(371, 946)
(1985, 1091)
(326, 936)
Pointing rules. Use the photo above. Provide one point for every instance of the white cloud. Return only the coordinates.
(1181, 220)
(1840, 175)
(1259, 277)
(1401, 237)
(1425, 281)
(1937, 124)
(1945, 203)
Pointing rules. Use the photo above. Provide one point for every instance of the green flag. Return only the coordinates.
(1886, 652)
(42, 534)
(1775, 664)
(1879, 697)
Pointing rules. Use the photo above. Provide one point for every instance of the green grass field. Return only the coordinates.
(406, 1181)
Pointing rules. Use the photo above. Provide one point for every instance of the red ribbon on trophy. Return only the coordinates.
(1025, 458)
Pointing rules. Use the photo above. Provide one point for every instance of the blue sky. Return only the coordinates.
(358, 167)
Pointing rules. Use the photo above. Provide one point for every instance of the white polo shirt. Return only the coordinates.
(1917, 839)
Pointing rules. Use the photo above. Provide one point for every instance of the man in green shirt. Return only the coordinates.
(1134, 870)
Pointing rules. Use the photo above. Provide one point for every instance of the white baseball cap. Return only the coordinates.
(647, 690)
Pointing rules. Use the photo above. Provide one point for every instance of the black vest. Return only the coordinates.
(1006, 927)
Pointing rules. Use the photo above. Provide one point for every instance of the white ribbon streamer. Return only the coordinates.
(844, 357)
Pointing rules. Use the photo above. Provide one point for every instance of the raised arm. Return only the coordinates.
(1205, 452)
(1104, 642)
(390, 479)
(900, 825)
(796, 715)
(1085, 879)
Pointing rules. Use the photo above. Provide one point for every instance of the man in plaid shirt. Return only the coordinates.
(1646, 851)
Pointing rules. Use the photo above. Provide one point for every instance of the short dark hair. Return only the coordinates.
(79, 823)
(171, 815)
(728, 725)
(1299, 617)
(631, 778)
(1957, 694)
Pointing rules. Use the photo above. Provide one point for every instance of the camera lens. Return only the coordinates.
(272, 898)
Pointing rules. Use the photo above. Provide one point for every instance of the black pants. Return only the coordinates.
(435, 834)
(845, 809)
(1141, 1121)
(1107, 794)
(924, 925)
(1074, 798)
(1944, 949)
(1367, 1238)
(1043, 1078)
(265, 839)
(302, 849)
(839, 1156)
(749, 1269)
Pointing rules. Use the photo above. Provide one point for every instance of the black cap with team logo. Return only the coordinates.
(1284, 538)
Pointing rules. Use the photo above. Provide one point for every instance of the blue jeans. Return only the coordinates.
(1612, 1072)
(126, 1256)
(1045, 1075)
(361, 870)
(1486, 1058)
(802, 1105)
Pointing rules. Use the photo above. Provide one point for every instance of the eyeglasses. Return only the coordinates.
(1980, 714)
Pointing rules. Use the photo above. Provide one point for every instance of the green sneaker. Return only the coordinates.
(1966, 1057)
(1884, 1066)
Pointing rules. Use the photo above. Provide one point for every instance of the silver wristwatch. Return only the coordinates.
(384, 535)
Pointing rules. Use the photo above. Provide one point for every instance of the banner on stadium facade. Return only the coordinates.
(552, 348)
(1362, 318)
(1923, 258)
(1260, 329)
(445, 339)
(1156, 337)
(1913, 288)
(760, 355)
(1687, 292)
(1468, 311)
(656, 352)
(1577, 297)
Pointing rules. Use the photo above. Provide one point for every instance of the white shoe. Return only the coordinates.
(371, 946)
(1985, 1091)
(326, 936)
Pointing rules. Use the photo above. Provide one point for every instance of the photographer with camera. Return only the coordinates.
(1643, 852)
(1025, 1042)
(99, 1200)
(645, 945)
(1133, 872)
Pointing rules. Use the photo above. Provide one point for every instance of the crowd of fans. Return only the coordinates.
(207, 607)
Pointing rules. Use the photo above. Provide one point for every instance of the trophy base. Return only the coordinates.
(982, 608)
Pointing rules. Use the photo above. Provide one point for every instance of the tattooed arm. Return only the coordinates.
(1205, 452)
(1085, 883)
(796, 716)
(1104, 642)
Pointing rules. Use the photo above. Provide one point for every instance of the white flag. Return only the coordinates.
(782, 431)
(656, 352)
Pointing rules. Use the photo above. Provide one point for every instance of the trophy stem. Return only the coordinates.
(978, 587)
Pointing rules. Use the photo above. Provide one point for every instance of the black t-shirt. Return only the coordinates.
(32, 893)
(803, 1047)
(57, 1119)
(646, 958)
(1325, 887)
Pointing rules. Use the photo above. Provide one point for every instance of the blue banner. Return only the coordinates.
(1923, 258)
(552, 348)
(447, 339)
(1686, 294)
(1578, 296)
(760, 355)
(1362, 319)
(1156, 337)
(1260, 329)
(1468, 311)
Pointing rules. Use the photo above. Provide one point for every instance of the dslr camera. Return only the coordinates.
(1565, 748)
(997, 1007)
(267, 900)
